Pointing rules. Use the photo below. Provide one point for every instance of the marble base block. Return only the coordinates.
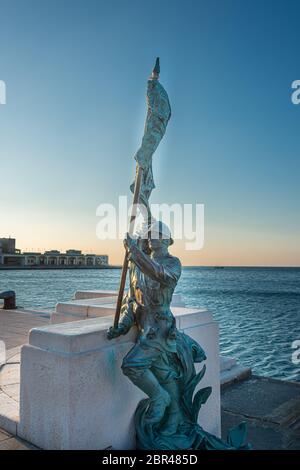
(73, 392)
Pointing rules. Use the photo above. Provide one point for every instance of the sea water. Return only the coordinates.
(258, 309)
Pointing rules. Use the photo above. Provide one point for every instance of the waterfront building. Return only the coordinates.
(10, 256)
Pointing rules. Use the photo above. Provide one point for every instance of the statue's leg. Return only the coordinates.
(136, 366)
(174, 415)
(166, 369)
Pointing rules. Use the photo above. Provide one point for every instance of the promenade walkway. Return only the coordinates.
(14, 328)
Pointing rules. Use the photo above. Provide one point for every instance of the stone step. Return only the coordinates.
(227, 363)
(231, 371)
(236, 374)
(92, 307)
(92, 294)
(96, 294)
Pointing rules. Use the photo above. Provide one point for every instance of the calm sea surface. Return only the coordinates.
(258, 309)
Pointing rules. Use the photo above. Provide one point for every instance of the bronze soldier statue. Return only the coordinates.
(162, 361)
(152, 282)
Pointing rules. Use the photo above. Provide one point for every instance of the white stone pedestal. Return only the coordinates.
(93, 304)
(98, 303)
(73, 392)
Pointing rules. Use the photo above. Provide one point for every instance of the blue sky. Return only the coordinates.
(76, 76)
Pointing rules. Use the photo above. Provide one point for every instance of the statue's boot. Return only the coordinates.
(170, 426)
(159, 398)
(157, 407)
(174, 414)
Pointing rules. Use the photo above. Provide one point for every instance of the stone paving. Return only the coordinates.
(10, 374)
(9, 442)
(15, 325)
(14, 329)
(271, 409)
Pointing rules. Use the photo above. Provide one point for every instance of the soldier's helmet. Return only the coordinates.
(160, 230)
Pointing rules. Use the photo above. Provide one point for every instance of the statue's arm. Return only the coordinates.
(127, 319)
(167, 275)
(126, 316)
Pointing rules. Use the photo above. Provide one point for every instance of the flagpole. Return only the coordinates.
(136, 196)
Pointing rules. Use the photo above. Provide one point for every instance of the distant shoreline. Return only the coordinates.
(240, 267)
(49, 267)
(59, 268)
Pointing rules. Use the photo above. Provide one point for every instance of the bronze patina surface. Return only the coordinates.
(162, 361)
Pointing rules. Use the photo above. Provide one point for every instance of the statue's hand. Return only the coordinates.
(129, 242)
(140, 159)
(114, 332)
(142, 162)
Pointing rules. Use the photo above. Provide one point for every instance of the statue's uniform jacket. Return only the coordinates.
(147, 305)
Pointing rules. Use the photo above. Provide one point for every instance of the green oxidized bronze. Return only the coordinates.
(162, 361)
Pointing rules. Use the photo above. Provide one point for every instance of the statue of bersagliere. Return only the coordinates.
(161, 363)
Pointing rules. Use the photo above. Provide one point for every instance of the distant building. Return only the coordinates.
(8, 245)
(8, 248)
(10, 256)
